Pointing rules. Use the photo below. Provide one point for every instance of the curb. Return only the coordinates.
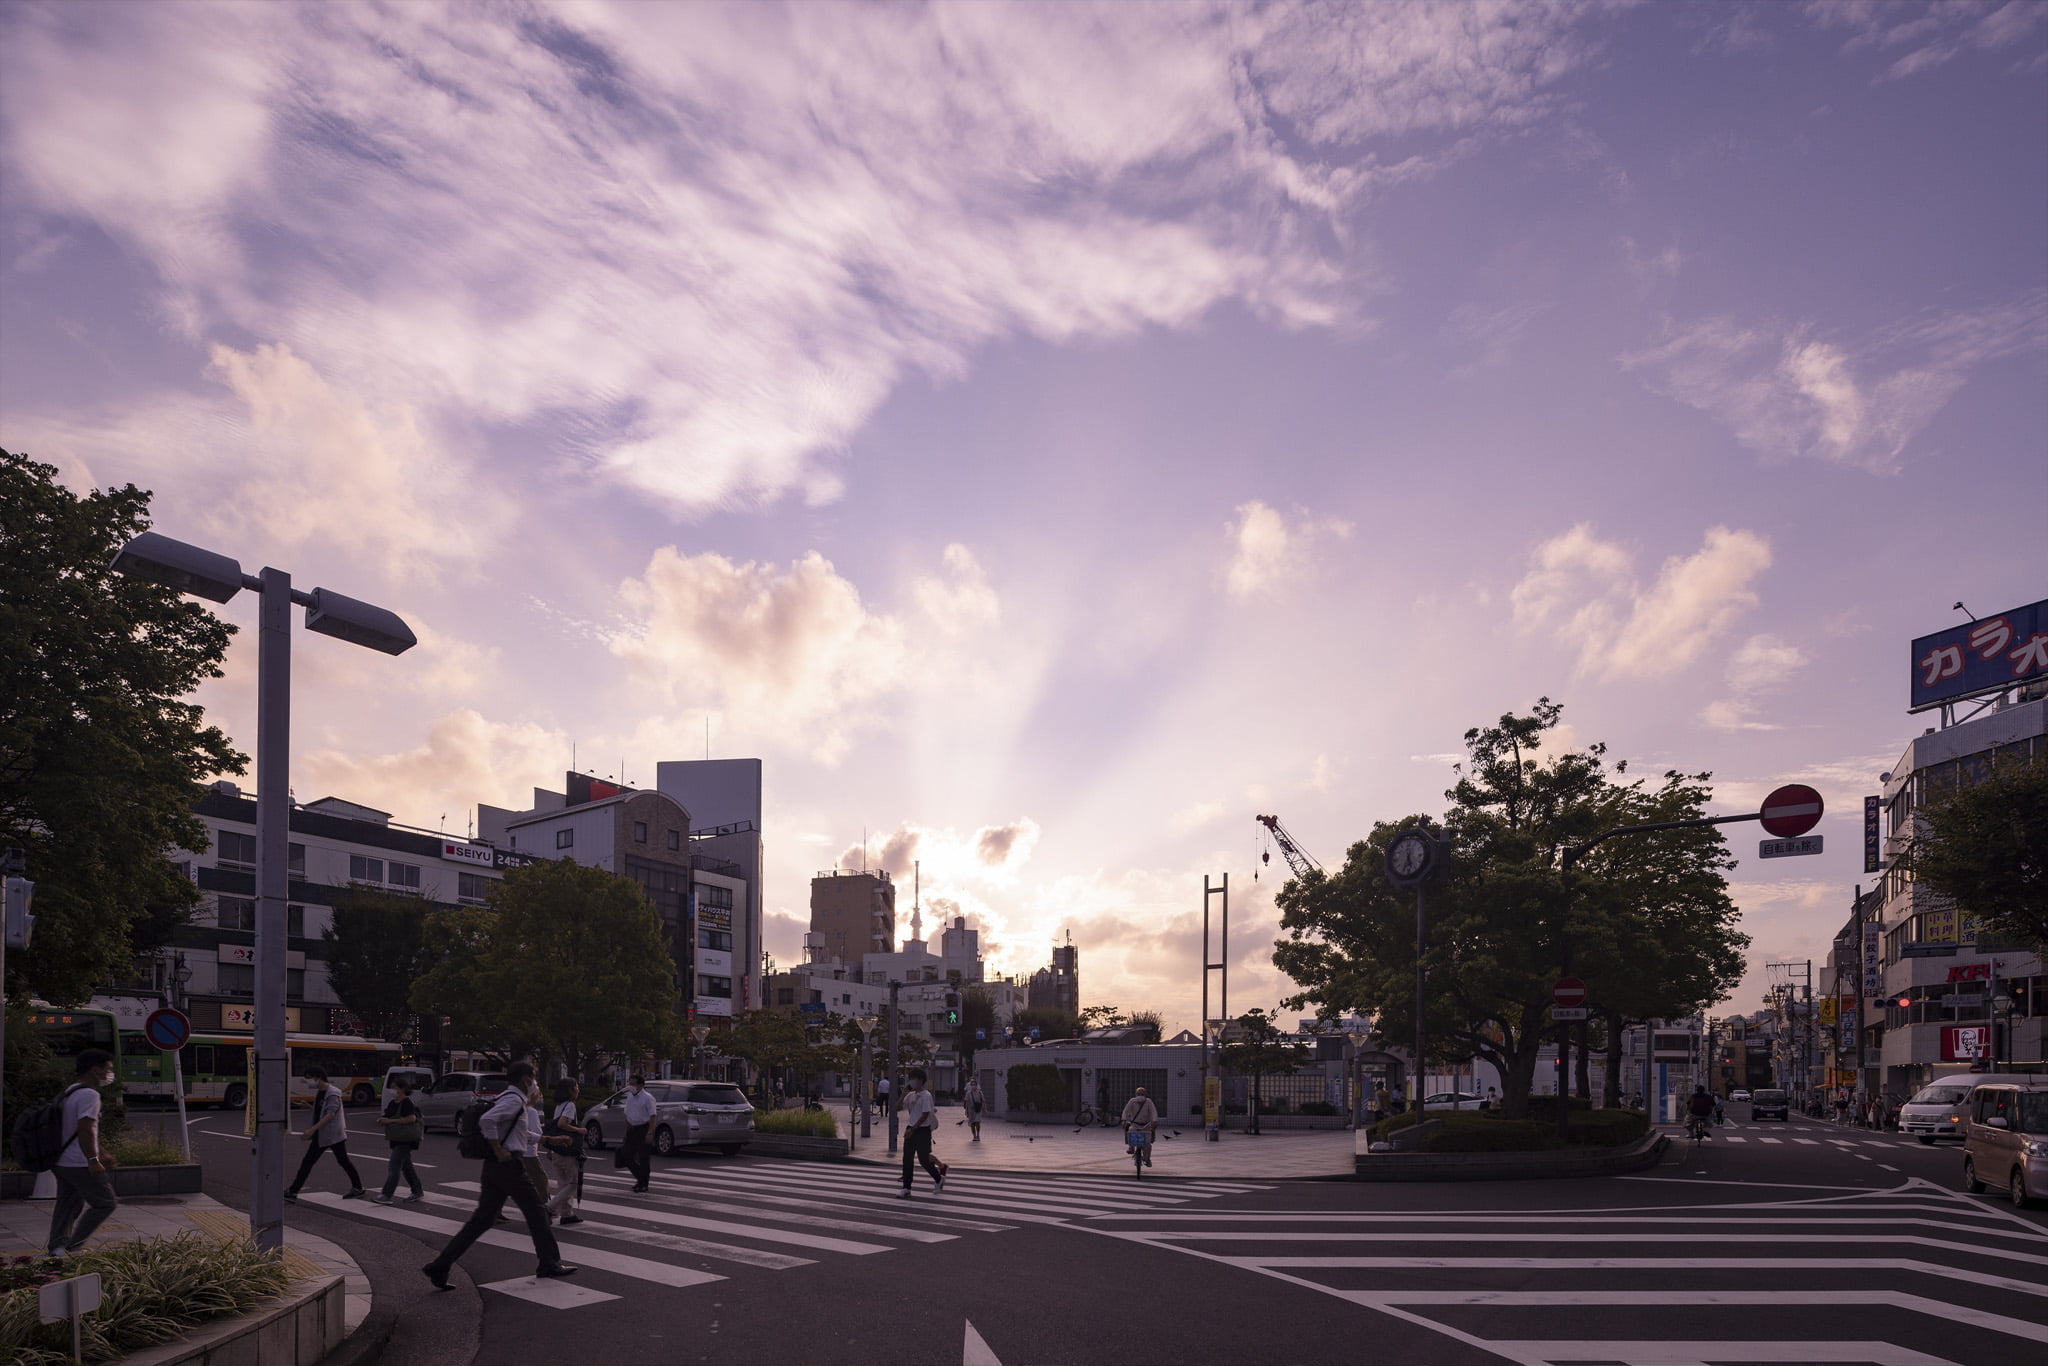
(1645, 1152)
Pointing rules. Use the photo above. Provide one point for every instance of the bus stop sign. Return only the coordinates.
(167, 1029)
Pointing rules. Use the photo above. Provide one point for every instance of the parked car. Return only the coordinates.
(1450, 1100)
(2005, 1140)
(453, 1094)
(1738, 1095)
(1936, 1109)
(1770, 1104)
(687, 1114)
(422, 1082)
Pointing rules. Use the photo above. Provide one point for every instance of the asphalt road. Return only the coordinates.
(1800, 1242)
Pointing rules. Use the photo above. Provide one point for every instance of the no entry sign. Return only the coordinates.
(1569, 992)
(1792, 811)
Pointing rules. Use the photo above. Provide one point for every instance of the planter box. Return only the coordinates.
(298, 1330)
(797, 1145)
(1644, 1152)
(180, 1178)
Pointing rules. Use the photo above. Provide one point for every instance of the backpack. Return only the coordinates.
(469, 1130)
(39, 1137)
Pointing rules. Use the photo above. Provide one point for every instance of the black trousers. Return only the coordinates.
(917, 1147)
(340, 1151)
(503, 1181)
(84, 1199)
(401, 1168)
(639, 1154)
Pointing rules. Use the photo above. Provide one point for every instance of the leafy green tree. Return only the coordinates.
(1985, 847)
(1051, 1022)
(1645, 920)
(1149, 1019)
(456, 941)
(977, 1011)
(100, 757)
(1258, 1052)
(1100, 1017)
(376, 950)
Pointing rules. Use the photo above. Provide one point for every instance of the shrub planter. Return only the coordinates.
(1567, 1162)
(299, 1330)
(797, 1145)
(178, 1179)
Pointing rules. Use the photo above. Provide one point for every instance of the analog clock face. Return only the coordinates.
(1408, 855)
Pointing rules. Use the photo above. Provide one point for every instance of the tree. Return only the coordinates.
(977, 1011)
(1101, 1017)
(99, 757)
(456, 941)
(1258, 1052)
(1148, 1019)
(376, 949)
(1646, 920)
(1984, 846)
(1051, 1022)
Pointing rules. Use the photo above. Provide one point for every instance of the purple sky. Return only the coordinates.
(1050, 435)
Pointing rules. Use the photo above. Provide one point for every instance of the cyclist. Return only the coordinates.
(1141, 1113)
(1701, 1108)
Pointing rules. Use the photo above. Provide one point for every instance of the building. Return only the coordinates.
(855, 913)
(723, 797)
(1058, 987)
(336, 847)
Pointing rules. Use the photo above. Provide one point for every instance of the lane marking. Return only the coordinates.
(554, 1294)
(975, 1352)
(794, 1202)
(1175, 1237)
(817, 1241)
(1968, 1275)
(667, 1242)
(1808, 1352)
(1564, 1299)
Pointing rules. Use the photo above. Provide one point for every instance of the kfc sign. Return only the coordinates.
(1970, 972)
(1965, 1043)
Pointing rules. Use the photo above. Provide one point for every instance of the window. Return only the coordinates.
(714, 986)
(295, 859)
(403, 875)
(675, 839)
(639, 832)
(295, 922)
(232, 846)
(294, 983)
(565, 839)
(236, 913)
(236, 979)
(473, 888)
(361, 869)
(714, 939)
(712, 895)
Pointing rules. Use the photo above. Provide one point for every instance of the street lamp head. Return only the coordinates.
(174, 564)
(359, 623)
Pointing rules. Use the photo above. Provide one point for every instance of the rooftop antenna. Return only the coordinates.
(1965, 611)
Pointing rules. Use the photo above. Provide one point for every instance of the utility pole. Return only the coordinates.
(895, 1070)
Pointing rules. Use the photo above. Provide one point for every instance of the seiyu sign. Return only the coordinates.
(1982, 656)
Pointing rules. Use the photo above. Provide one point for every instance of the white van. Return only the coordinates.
(1936, 1109)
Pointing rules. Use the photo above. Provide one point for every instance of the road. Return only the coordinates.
(1799, 1242)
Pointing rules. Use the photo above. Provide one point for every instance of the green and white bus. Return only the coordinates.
(217, 1067)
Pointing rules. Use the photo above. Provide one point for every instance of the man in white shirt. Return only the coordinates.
(1141, 1114)
(919, 1117)
(328, 1133)
(635, 1155)
(84, 1195)
(504, 1178)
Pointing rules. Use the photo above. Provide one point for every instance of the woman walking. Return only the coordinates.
(562, 1153)
(403, 1130)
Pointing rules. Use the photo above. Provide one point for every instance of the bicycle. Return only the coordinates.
(1089, 1114)
(1140, 1145)
(1696, 1128)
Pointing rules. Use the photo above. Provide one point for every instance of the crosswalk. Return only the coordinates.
(1778, 1136)
(1912, 1276)
(705, 1222)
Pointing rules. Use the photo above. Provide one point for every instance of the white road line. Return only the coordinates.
(555, 1294)
(1889, 1169)
(1976, 1276)
(885, 1185)
(759, 1198)
(637, 1268)
(1770, 1140)
(817, 1241)
(1807, 1352)
(667, 1242)
(1568, 1299)
(1171, 1237)
(975, 1352)
(1590, 1226)
(1037, 1193)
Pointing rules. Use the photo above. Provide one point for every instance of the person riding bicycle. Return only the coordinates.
(1141, 1114)
(1701, 1108)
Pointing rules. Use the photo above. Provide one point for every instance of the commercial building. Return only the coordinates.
(723, 797)
(854, 913)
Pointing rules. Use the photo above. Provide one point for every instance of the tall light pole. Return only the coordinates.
(217, 578)
(866, 1086)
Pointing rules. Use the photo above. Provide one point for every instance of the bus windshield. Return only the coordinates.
(67, 1033)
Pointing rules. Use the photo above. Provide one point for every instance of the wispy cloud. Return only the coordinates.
(1762, 664)
(1928, 36)
(1269, 552)
(1787, 390)
(1585, 591)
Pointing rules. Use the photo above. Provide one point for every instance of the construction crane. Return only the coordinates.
(1297, 858)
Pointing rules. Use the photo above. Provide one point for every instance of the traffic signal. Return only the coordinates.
(952, 1007)
(1903, 1002)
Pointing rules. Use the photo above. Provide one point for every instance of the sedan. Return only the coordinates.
(687, 1114)
(1738, 1095)
(1450, 1100)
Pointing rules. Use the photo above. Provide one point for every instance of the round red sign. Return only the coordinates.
(1569, 991)
(1792, 811)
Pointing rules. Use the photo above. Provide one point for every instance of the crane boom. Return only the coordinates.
(1297, 858)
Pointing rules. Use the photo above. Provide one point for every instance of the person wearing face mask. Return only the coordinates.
(85, 1197)
(635, 1153)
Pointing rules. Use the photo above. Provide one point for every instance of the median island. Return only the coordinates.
(1468, 1145)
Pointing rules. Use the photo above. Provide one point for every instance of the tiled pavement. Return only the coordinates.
(1277, 1154)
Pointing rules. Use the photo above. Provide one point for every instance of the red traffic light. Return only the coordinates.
(1903, 1002)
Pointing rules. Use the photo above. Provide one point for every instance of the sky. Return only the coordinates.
(1049, 436)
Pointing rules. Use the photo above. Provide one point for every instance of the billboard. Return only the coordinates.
(1965, 1043)
(1980, 656)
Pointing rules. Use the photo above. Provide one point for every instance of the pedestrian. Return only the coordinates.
(536, 1127)
(974, 1102)
(1492, 1101)
(504, 1178)
(328, 1133)
(882, 1094)
(1141, 1113)
(403, 1130)
(1720, 1114)
(562, 1150)
(919, 1115)
(1379, 1102)
(634, 1152)
(85, 1197)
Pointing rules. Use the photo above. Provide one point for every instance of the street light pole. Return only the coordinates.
(217, 578)
(895, 1074)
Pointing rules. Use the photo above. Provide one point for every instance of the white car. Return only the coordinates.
(1738, 1095)
(687, 1114)
(1450, 1100)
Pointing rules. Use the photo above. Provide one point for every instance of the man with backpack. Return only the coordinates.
(499, 1138)
(84, 1195)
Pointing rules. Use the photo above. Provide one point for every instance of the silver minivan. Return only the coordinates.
(2005, 1142)
(1936, 1109)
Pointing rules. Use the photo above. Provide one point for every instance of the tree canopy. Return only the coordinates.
(1644, 920)
(1985, 847)
(376, 949)
(100, 756)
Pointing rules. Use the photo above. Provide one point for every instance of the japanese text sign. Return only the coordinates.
(1980, 656)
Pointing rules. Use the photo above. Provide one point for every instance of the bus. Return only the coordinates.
(67, 1033)
(217, 1067)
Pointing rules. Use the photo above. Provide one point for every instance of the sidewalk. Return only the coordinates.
(1277, 1154)
(24, 1224)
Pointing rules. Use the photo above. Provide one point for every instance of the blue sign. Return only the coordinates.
(1980, 656)
(981, 1036)
(1034, 1031)
(1873, 835)
(167, 1029)
(812, 1007)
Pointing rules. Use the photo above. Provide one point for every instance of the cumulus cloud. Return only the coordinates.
(795, 652)
(1586, 593)
(755, 220)
(1761, 665)
(465, 759)
(1787, 391)
(1268, 552)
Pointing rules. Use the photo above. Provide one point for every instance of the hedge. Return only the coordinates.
(1036, 1086)
(1489, 1131)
